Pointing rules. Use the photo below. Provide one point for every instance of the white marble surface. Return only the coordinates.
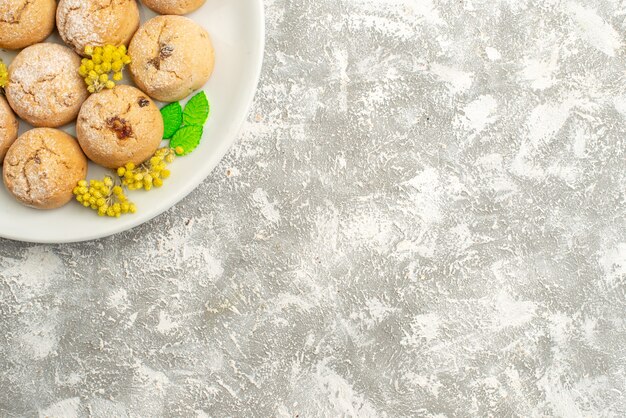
(424, 217)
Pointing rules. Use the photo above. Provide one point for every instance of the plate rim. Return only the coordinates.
(197, 180)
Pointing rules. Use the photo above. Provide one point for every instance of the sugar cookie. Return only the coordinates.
(97, 22)
(44, 86)
(174, 7)
(172, 57)
(42, 168)
(119, 126)
(8, 127)
(25, 22)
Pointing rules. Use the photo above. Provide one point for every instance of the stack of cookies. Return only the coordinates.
(171, 56)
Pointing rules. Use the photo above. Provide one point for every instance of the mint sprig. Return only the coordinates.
(185, 128)
(187, 138)
(172, 119)
(197, 110)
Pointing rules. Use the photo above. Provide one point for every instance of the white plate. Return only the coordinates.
(237, 28)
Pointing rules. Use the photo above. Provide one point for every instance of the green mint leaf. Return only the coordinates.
(187, 137)
(172, 119)
(197, 110)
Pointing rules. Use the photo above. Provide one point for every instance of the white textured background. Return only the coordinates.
(425, 216)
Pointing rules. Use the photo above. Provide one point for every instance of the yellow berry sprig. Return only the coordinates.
(4, 75)
(102, 62)
(104, 197)
(149, 174)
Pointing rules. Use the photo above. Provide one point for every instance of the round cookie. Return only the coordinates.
(8, 127)
(25, 22)
(173, 7)
(172, 57)
(97, 22)
(44, 86)
(119, 126)
(42, 168)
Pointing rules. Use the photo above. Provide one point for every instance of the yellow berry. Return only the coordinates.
(121, 171)
(130, 166)
(97, 59)
(89, 65)
(106, 67)
(117, 76)
(109, 49)
(170, 158)
(82, 183)
(132, 208)
(121, 49)
(179, 150)
(165, 174)
(158, 182)
(103, 78)
(109, 84)
(117, 190)
(88, 50)
(97, 50)
(117, 66)
(126, 59)
(108, 181)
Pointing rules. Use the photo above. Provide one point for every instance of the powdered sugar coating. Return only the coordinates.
(173, 7)
(97, 22)
(44, 86)
(42, 167)
(118, 126)
(25, 22)
(172, 57)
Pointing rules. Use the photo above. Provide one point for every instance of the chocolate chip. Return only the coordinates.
(143, 102)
